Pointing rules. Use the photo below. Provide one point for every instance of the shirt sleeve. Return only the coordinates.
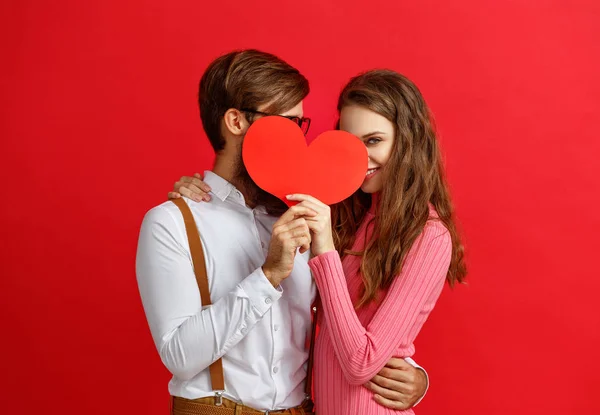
(188, 336)
(363, 351)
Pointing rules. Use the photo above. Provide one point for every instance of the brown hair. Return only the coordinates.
(414, 178)
(247, 79)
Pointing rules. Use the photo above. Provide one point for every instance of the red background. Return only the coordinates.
(98, 119)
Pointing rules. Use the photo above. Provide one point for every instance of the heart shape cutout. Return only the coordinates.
(280, 161)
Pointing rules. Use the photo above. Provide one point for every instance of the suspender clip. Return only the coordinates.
(219, 398)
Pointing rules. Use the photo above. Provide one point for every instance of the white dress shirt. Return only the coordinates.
(261, 332)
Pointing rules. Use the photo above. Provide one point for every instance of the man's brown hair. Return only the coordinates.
(247, 79)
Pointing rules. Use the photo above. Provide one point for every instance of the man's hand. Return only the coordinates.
(399, 385)
(290, 232)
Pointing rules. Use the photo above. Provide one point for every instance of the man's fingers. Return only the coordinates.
(173, 195)
(296, 223)
(388, 403)
(284, 219)
(303, 243)
(399, 375)
(398, 363)
(300, 232)
(386, 393)
(297, 237)
(294, 212)
(391, 384)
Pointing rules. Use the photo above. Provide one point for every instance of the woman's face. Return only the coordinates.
(377, 133)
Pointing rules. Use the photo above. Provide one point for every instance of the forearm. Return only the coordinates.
(354, 346)
(364, 351)
(208, 335)
(188, 336)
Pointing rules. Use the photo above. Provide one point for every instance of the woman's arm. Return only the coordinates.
(364, 351)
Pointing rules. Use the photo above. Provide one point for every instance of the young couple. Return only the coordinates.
(379, 259)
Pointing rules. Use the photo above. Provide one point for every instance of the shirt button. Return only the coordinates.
(268, 300)
(276, 327)
(275, 369)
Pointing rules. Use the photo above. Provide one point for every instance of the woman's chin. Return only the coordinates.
(370, 188)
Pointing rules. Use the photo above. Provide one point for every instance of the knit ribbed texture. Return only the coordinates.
(354, 345)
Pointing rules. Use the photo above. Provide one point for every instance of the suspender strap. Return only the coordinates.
(216, 369)
(311, 353)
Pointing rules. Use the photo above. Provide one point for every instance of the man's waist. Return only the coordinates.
(218, 405)
(257, 394)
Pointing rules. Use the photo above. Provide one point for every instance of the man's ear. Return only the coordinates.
(235, 122)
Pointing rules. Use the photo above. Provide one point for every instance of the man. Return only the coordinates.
(261, 288)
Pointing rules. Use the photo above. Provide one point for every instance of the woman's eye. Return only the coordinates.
(373, 140)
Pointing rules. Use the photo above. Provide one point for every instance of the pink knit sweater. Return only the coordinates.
(354, 345)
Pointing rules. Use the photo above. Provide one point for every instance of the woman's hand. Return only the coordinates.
(319, 225)
(191, 187)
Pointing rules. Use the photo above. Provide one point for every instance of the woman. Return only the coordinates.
(380, 257)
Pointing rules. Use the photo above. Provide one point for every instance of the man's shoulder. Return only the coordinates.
(168, 213)
(164, 215)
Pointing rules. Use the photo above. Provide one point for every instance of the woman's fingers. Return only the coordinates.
(302, 197)
(311, 205)
(196, 180)
(189, 194)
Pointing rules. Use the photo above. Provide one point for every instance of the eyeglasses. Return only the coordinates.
(303, 123)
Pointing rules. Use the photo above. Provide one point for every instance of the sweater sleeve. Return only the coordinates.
(363, 351)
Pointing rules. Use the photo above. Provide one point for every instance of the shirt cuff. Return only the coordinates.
(260, 291)
(410, 361)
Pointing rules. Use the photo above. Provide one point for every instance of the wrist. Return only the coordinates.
(320, 250)
(272, 276)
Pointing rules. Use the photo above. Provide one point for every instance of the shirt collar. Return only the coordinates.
(220, 187)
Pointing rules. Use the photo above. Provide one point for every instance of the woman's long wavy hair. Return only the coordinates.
(413, 179)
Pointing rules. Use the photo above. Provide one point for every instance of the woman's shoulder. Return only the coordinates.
(434, 227)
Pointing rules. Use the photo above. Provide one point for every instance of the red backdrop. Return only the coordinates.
(98, 119)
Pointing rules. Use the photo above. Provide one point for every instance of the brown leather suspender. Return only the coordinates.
(197, 253)
(311, 353)
(216, 369)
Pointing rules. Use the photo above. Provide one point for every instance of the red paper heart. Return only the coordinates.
(279, 160)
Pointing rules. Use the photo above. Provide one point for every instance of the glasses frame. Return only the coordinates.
(299, 121)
